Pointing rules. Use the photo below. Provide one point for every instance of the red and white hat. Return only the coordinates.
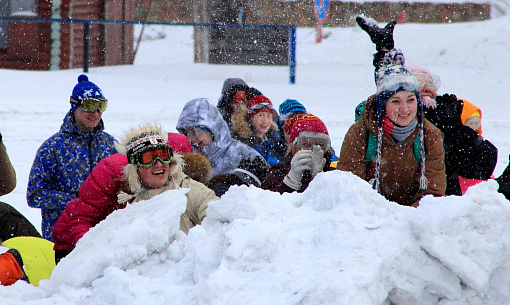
(306, 122)
(259, 103)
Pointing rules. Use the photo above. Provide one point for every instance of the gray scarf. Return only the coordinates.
(400, 134)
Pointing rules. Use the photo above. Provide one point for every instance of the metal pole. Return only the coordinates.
(86, 33)
(292, 56)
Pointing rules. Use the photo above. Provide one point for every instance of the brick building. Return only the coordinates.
(301, 13)
(45, 46)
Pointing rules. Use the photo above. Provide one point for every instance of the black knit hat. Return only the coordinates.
(252, 170)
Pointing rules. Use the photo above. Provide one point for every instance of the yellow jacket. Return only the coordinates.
(37, 254)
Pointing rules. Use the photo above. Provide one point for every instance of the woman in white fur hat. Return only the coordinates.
(144, 167)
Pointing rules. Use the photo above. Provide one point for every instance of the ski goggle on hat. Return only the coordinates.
(92, 104)
(195, 132)
(394, 82)
(308, 139)
(147, 156)
(430, 80)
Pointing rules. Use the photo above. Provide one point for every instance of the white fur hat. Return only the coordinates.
(141, 136)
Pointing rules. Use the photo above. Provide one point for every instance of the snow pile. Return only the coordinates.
(471, 238)
(337, 243)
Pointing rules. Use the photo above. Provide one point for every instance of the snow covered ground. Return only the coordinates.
(337, 243)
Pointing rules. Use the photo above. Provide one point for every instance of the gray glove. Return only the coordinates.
(318, 160)
(300, 163)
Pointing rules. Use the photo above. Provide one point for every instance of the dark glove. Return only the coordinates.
(383, 38)
(448, 112)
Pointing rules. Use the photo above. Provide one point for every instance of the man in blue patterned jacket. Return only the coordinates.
(64, 161)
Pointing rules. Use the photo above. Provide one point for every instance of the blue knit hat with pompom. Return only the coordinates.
(83, 89)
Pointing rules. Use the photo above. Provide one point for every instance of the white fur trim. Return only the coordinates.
(121, 149)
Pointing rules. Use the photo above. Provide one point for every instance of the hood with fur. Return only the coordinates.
(196, 166)
(241, 127)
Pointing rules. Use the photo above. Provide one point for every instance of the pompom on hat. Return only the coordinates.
(305, 122)
(259, 103)
(84, 89)
(394, 57)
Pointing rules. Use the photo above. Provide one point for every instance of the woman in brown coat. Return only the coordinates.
(408, 162)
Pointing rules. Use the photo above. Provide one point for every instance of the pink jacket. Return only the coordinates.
(98, 196)
(97, 199)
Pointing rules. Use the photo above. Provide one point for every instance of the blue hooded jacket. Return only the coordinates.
(61, 165)
(223, 152)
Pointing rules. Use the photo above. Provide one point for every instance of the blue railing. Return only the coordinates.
(88, 22)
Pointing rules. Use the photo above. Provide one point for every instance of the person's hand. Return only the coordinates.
(448, 112)
(318, 160)
(301, 162)
(382, 37)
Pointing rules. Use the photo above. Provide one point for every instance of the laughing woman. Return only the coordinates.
(144, 167)
(393, 146)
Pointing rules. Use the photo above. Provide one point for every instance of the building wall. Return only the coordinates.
(29, 43)
(301, 13)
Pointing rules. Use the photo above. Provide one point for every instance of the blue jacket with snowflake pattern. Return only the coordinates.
(61, 165)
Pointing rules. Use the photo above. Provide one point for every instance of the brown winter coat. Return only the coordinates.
(400, 172)
(7, 173)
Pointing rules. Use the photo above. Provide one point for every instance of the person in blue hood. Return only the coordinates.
(65, 160)
(209, 134)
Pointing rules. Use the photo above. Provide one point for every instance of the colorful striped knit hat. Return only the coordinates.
(288, 108)
(305, 122)
(291, 106)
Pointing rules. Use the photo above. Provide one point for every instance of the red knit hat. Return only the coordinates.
(306, 122)
(259, 103)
